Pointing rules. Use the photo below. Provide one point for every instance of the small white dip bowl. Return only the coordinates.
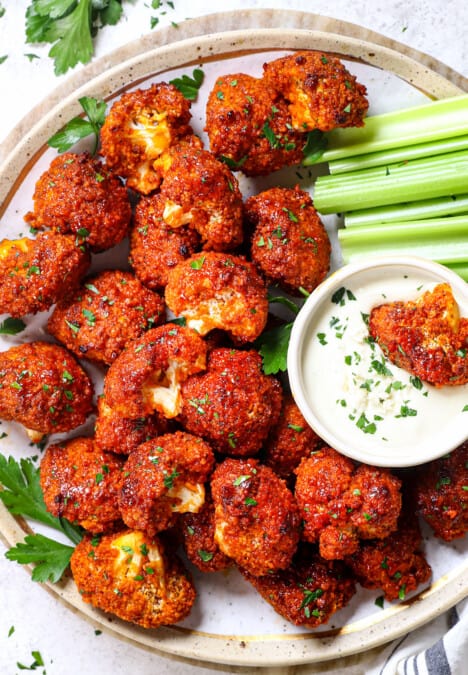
(349, 393)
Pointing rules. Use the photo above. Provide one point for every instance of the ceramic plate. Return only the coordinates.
(230, 623)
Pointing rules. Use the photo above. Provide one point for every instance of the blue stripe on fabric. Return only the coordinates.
(436, 660)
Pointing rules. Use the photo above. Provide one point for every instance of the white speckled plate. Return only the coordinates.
(230, 623)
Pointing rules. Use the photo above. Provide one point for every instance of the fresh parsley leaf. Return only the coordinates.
(281, 300)
(79, 128)
(2, 10)
(315, 147)
(111, 14)
(189, 86)
(273, 347)
(51, 558)
(11, 326)
(3, 58)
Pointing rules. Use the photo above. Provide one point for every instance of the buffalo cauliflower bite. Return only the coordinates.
(427, 337)
(82, 484)
(36, 273)
(156, 248)
(395, 564)
(249, 126)
(44, 388)
(290, 440)
(201, 192)
(257, 521)
(289, 243)
(140, 127)
(321, 93)
(79, 195)
(440, 489)
(163, 477)
(106, 312)
(233, 404)
(134, 576)
(146, 379)
(309, 591)
(341, 504)
(219, 290)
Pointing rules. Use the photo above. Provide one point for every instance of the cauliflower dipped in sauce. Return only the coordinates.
(289, 242)
(36, 273)
(257, 521)
(102, 315)
(43, 388)
(78, 194)
(134, 576)
(219, 290)
(145, 379)
(249, 126)
(155, 247)
(427, 337)
(232, 404)
(341, 504)
(321, 93)
(82, 484)
(140, 127)
(309, 591)
(163, 477)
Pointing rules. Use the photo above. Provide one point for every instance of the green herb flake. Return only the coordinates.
(206, 556)
(249, 501)
(189, 86)
(197, 264)
(11, 326)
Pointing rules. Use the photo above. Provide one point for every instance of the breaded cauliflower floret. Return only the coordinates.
(146, 378)
(82, 484)
(219, 290)
(233, 405)
(79, 195)
(341, 504)
(43, 388)
(105, 313)
(309, 591)
(321, 92)
(290, 440)
(249, 126)
(201, 192)
(36, 273)
(440, 489)
(427, 337)
(133, 576)
(140, 126)
(257, 521)
(163, 477)
(289, 243)
(155, 247)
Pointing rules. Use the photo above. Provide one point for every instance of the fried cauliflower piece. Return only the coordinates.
(249, 126)
(321, 93)
(233, 404)
(106, 312)
(395, 564)
(290, 440)
(140, 127)
(36, 273)
(155, 247)
(145, 379)
(201, 192)
(341, 504)
(163, 477)
(440, 489)
(82, 484)
(257, 521)
(219, 290)
(289, 243)
(309, 591)
(198, 538)
(133, 576)
(78, 194)
(43, 388)
(427, 337)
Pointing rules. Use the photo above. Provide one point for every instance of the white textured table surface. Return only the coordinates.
(67, 642)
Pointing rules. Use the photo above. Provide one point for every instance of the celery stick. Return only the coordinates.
(417, 179)
(442, 239)
(431, 121)
(420, 210)
(400, 154)
(460, 268)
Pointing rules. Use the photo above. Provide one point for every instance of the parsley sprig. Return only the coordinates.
(273, 343)
(79, 128)
(189, 86)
